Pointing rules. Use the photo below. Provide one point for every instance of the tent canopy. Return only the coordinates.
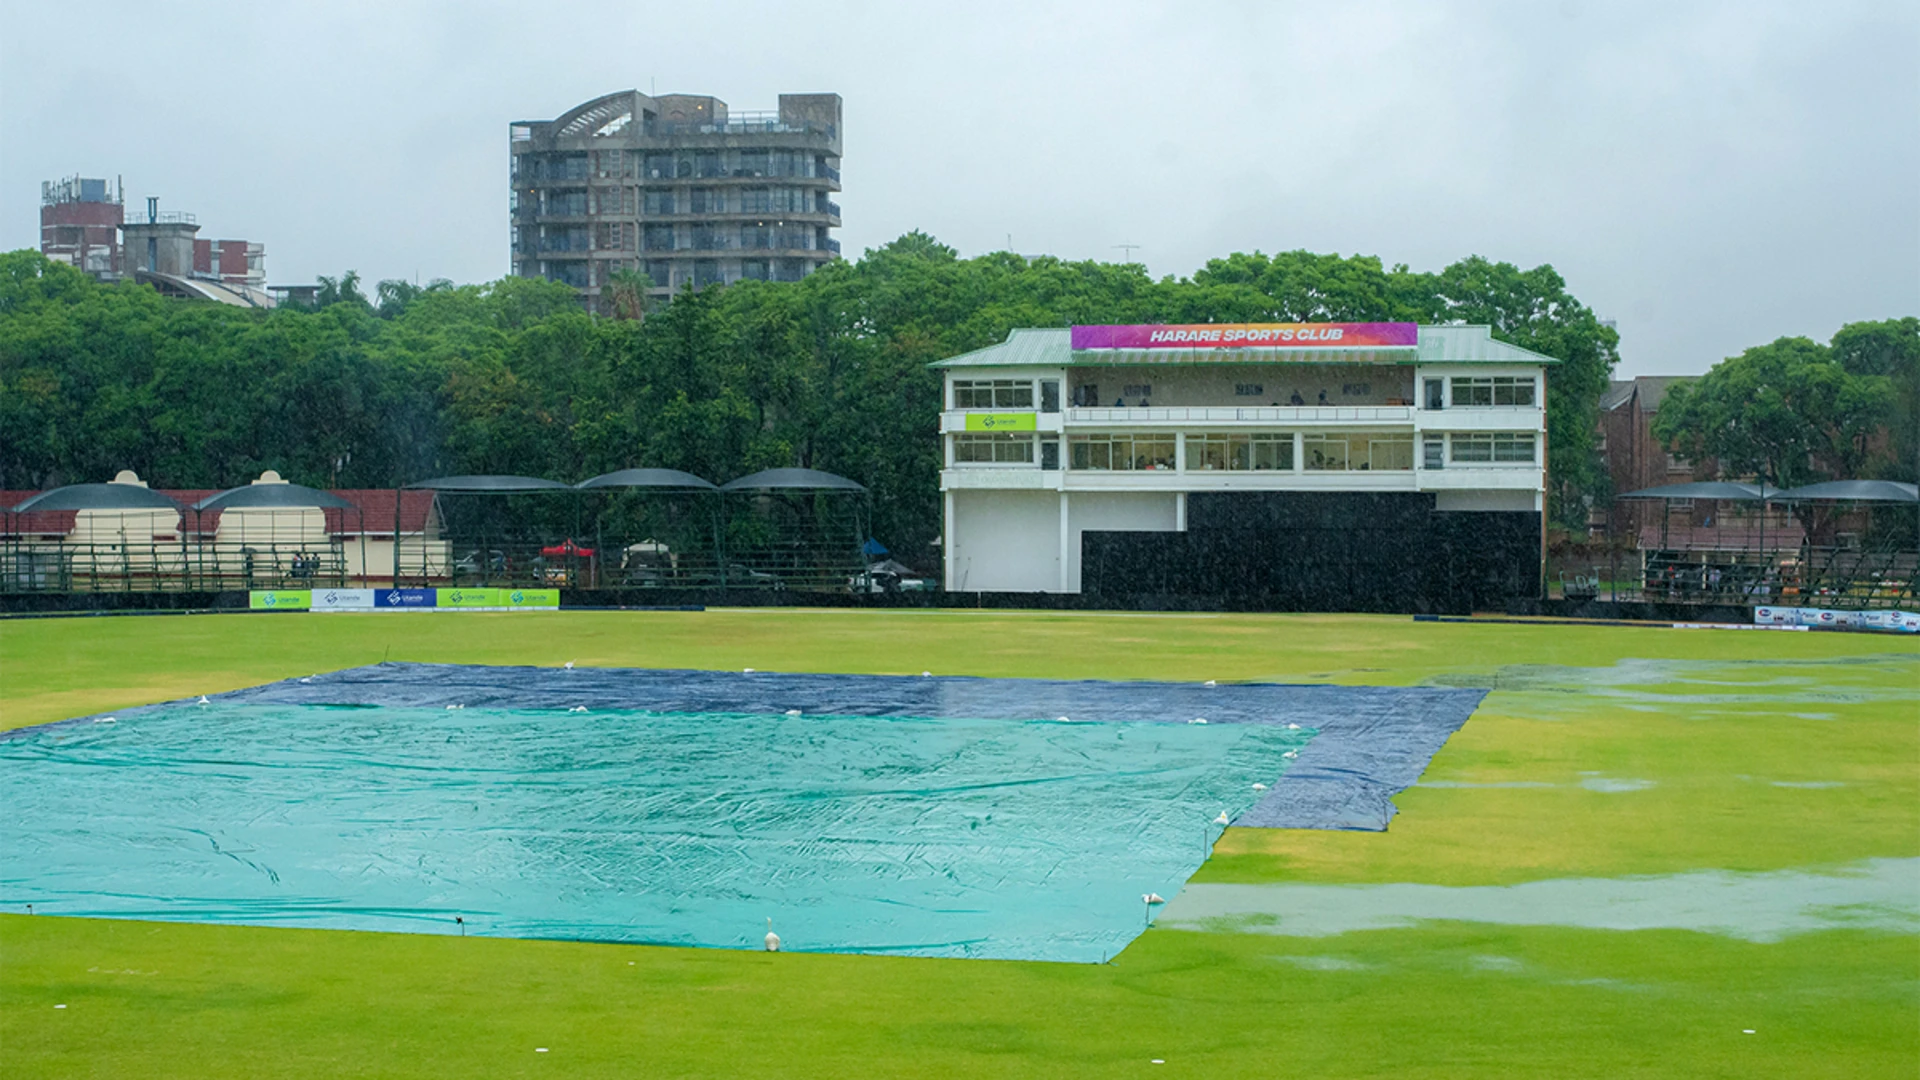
(1707, 489)
(98, 497)
(792, 480)
(273, 495)
(649, 478)
(491, 485)
(1853, 491)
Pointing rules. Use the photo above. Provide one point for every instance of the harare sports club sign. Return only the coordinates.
(1376, 335)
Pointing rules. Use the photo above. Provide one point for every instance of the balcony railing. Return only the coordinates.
(1283, 414)
(743, 123)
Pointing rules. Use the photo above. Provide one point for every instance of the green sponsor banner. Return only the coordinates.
(1002, 421)
(280, 599)
(459, 598)
(532, 597)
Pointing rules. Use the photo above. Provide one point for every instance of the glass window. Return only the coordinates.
(1273, 452)
(1122, 452)
(1513, 447)
(1472, 392)
(993, 394)
(1324, 453)
(1001, 447)
(1469, 447)
(1512, 391)
(1499, 390)
(1508, 447)
(1358, 451)
(1391, 452)
(1436, 394)
(1435, 452)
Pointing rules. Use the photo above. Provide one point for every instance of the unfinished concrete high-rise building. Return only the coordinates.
(675, 187)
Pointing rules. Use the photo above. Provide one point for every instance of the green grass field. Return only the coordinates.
(1706, 725)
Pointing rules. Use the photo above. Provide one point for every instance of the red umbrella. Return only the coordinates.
(568, 547)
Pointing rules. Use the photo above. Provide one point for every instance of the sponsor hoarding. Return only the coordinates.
(1250, 336)
(1905, 622)
(468, 598)
(404, 598)
(280, 599)
(1001, 422)
(343, 599)
(532, 598)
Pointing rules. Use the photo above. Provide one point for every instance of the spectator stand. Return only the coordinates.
(271, 534)
(796, 529)
(114, 537)
(653, 528)
(489, 531)
(1800, 558)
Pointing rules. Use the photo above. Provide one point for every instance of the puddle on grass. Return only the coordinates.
(1612, 785)
(1701, 688)
(1323, 963)
(1877, 894)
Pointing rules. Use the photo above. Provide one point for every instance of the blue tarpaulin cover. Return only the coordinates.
(1019, 819)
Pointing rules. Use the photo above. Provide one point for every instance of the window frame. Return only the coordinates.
(1492, 388)
(1002, 395)
(999, 447)
(1082, 447)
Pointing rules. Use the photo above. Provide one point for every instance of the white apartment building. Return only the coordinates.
(1303, 439)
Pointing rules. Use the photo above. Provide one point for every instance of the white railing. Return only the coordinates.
(1214, 414)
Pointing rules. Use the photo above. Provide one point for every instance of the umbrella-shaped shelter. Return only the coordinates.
(1890, 491)
(116, 537)
(494, 528)
(1711, 563)
(1881, 570)
(655, 528)
(795, 528)
(270, 534)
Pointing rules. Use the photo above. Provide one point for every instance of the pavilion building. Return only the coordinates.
(1335, 466)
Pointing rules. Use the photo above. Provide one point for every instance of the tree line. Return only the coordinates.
(1795, 411)
(829, 372)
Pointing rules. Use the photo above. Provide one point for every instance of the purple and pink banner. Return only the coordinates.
(1249, 335)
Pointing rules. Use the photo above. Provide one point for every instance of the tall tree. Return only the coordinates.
(1787, 412)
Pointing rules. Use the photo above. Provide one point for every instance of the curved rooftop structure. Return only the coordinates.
(792, 480)
(664, 479)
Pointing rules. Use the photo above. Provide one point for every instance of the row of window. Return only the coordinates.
(670, 165)
(1468, 391)
(1267, 451)
(755, 236)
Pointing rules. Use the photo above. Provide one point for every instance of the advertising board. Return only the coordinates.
(280, 599)
(343, 599)
(468, 598)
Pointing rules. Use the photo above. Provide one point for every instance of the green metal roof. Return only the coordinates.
(1043, 348)
(1472, 345)
(1053, 348)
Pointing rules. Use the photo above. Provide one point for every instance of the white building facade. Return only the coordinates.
(1275, 440)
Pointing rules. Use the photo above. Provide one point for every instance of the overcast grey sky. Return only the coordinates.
(1710, 175)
